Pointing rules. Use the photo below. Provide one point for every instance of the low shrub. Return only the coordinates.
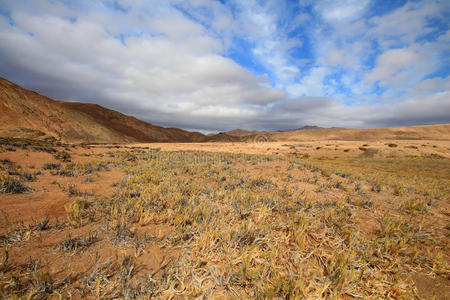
(51, 166)
(62, 156)
(12, 185)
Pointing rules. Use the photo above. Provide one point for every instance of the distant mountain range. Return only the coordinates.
(27, 114)
(307, 127)
(313, 133)
(242, 132)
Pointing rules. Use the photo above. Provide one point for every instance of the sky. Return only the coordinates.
(219, 65)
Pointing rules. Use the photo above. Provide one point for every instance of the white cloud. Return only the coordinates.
(175, 63)
(259, 24)
(311, 84)
(432, 85)
(166, 61)
(341, 10)
(348, 46)
(397, 67)
(340, 57)
(405, 24)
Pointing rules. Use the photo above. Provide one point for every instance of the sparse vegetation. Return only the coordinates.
(195, 224)
(51, 166)
(425, 175)
(77, 211)
(12, 185)
(369, 152)
(77, 169)
(62, 156)
(71, 245)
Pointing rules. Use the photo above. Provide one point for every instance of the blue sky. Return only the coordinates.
(218, 65)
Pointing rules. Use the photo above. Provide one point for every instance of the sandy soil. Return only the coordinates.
(49, 197)
(328, 148)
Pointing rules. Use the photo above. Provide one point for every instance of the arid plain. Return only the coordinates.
(257, 219)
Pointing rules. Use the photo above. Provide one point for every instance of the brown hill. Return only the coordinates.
(224, 137)
(311, 133)
(27, 114)
(426, 132)
(241, 132)
(30, 115)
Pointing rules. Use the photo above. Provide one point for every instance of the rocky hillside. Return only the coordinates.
(30, 115)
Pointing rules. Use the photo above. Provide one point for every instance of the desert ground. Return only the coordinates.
(313, 219)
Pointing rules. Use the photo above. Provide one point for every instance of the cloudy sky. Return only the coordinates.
(218, 65)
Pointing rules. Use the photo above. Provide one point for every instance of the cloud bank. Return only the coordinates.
(214, 66)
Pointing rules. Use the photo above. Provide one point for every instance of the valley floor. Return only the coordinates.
(313, 220)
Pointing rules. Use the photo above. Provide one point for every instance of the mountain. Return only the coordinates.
(241, 132)
(28, 114)
(316, 133)
(225, 137)
(425, 132)
(307, 127)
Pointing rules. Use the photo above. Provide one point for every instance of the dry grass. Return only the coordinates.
(242, 226)
(245, 235)
(12, 185)
(12, 177)
(426, 175)
(76, 169)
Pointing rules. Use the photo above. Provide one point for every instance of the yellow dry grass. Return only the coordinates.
(245, 227)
